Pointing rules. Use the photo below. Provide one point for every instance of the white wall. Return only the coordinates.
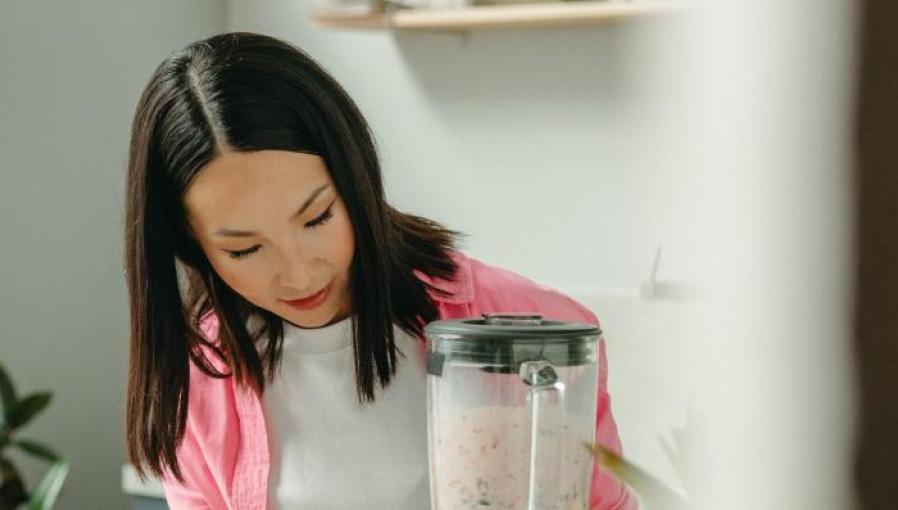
(70, 77)
(571, 154)
(557, 150)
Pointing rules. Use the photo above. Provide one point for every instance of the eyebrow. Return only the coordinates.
(226, 232)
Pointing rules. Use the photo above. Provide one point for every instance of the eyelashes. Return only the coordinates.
(321, 220)
(317, 222)
(239, 254)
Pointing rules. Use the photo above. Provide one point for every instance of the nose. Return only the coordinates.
(296, 274)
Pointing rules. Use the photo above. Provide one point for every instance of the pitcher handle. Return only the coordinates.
(546, 405)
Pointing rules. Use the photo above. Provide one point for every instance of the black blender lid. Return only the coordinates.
(501, 342)
(518, 326)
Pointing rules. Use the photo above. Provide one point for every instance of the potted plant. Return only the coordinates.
(15, 414)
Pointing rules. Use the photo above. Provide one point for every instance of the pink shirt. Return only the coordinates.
(224, 455)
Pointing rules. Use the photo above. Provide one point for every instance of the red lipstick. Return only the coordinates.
(312, 301)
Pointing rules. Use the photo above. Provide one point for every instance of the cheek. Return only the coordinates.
(343, 247)
(247, 282)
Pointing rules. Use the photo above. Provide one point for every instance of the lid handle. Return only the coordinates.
(513, 319)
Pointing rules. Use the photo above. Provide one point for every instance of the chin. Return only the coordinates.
(314, 319)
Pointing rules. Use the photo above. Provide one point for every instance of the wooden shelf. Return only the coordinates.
(499, 16)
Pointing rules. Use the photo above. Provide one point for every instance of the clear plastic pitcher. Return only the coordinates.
(511, 400)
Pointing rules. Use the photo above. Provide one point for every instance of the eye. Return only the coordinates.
(320, 220)
(239, 254)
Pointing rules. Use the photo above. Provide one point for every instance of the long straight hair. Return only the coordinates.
(248, 92)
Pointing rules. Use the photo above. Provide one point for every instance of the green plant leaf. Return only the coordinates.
(27, 408)
(7, 391)
(37, 449)
(47, 491)
(12, 489)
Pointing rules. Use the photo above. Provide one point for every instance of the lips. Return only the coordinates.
(311, 301)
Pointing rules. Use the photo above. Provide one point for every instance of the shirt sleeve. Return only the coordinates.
(188, 495)
(206, 453)
(178, 496)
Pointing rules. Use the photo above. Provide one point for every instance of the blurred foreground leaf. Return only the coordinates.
(37, 449)
(27, 408)
(7, 391)
(47, 491)
(653, 492)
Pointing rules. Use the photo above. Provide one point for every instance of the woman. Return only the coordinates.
(289, 375)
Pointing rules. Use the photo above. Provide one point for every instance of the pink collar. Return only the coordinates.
(460, 289)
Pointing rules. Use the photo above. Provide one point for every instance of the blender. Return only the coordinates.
(511, 399)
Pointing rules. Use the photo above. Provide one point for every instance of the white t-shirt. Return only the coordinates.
(328, 452)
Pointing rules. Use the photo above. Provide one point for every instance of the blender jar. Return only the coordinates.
(511, 399)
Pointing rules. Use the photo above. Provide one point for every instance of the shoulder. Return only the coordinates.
(490, 288)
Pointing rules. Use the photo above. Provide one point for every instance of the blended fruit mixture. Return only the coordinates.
(481, 460)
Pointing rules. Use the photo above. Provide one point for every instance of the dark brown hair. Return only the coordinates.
(247, 92)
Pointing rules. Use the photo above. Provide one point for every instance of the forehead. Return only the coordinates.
(240, 187)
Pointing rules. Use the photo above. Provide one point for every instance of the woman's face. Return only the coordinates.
(275, 230)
